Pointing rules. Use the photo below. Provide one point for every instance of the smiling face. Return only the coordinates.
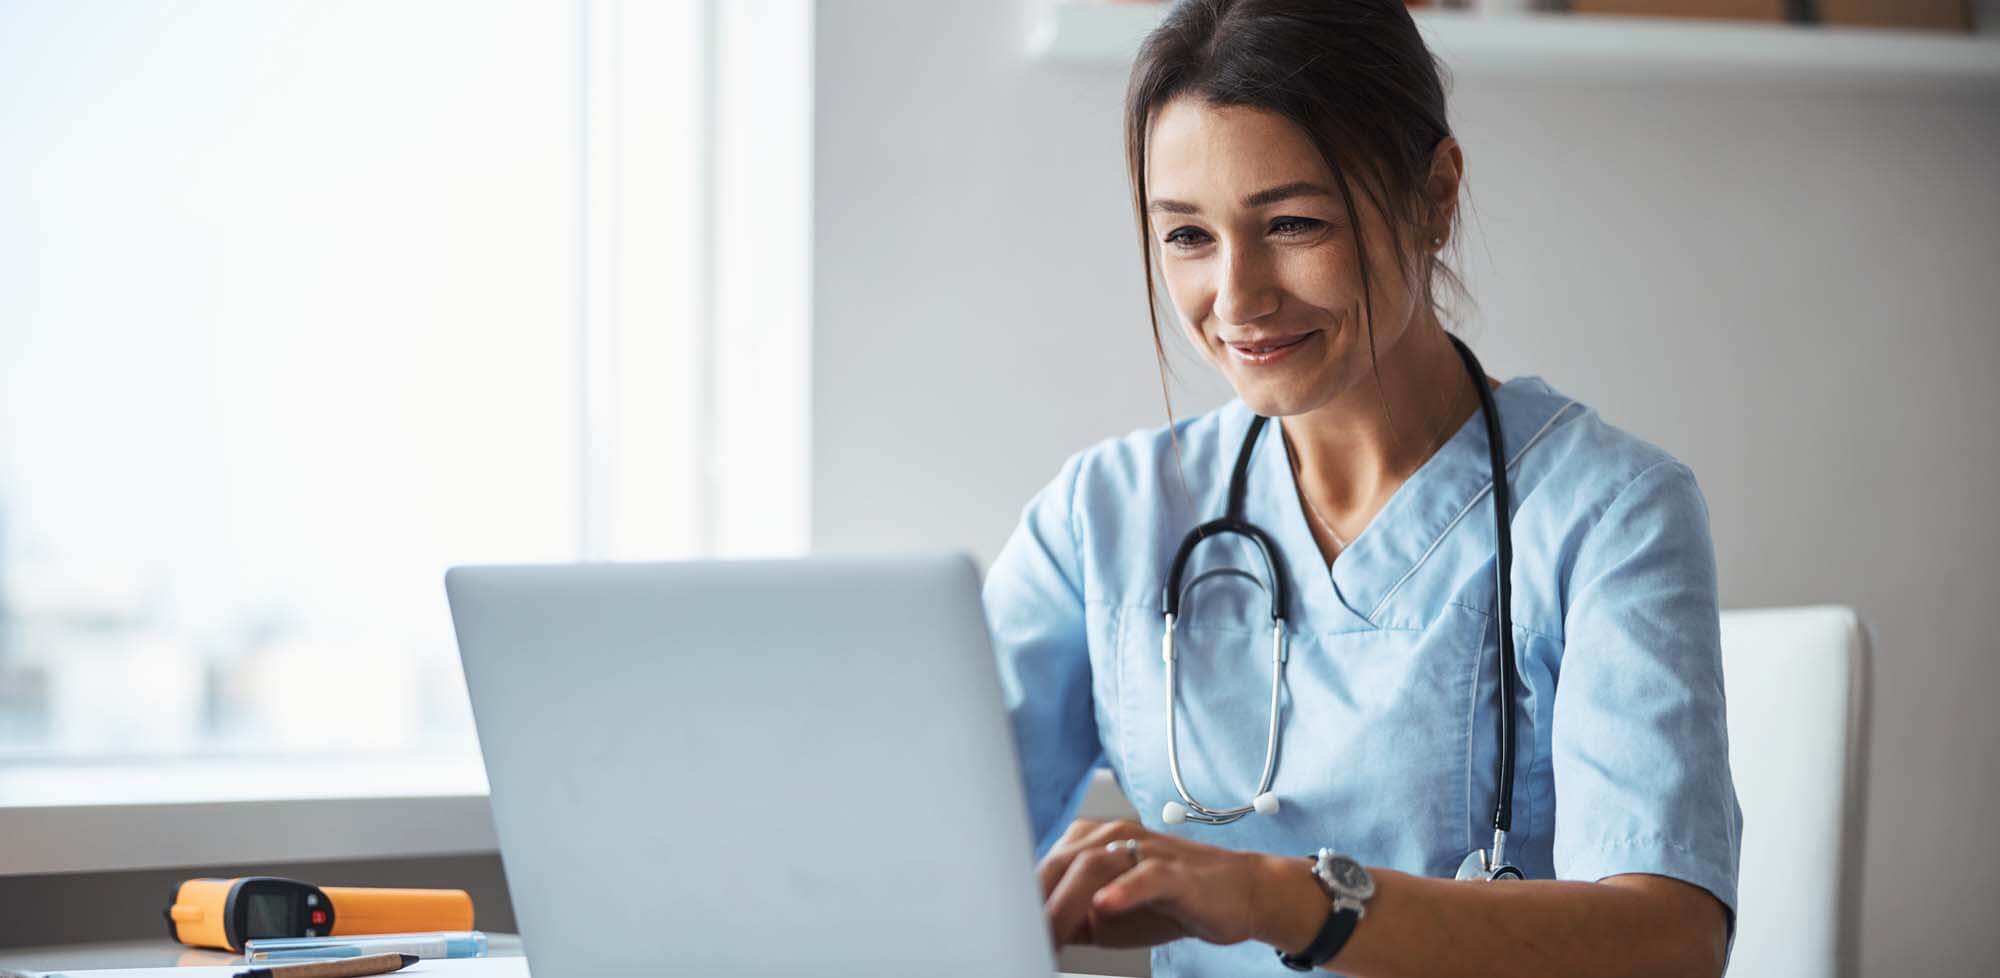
(1259, 256)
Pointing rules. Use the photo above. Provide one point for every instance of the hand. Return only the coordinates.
(1175, 889)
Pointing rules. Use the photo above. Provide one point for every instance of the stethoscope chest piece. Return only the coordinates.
(1476, 865)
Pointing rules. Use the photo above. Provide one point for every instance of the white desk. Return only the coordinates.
(162, 953)
(165, 954)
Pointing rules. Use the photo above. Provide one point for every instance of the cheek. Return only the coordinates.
(1395, 286)
(1331, 280)
(1192, 299)
(1328, 275)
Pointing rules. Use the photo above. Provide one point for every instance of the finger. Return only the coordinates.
(1051, 868)
(1078, 828)
(1082, 835)
(1069, 903)
(1139, 928)
(1156, 884)
(1118, 918)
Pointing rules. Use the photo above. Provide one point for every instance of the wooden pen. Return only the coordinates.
(372, 964)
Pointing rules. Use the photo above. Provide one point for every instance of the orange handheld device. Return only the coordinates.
(222, 914)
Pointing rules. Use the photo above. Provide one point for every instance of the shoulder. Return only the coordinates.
(1125, 502)
(1147, 460)
(1596, 503)
(1570, 459)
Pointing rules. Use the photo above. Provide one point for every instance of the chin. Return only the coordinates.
(1278, 400)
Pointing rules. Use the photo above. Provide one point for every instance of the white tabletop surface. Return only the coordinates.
(167, 954)
(159, 954)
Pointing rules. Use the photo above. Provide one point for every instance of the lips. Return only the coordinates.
(1262, 350)
(1270, 345)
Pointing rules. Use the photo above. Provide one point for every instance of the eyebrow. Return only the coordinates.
(1300, 188)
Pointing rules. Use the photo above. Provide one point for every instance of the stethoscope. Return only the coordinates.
(1480, 863)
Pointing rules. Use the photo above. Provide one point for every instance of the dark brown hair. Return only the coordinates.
(1353, 75)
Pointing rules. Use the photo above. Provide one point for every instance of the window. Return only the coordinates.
(302, 303)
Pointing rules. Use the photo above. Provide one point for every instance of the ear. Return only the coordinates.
(1441, 190)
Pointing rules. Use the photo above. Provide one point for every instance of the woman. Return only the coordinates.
(1296, 182)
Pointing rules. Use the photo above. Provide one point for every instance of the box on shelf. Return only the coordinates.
(1951, 15)
(1935, 14)
(1773, 10)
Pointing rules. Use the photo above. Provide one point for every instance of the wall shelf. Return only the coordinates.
(1595, 47)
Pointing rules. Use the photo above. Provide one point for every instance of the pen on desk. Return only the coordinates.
(373, 964)
(437, 944)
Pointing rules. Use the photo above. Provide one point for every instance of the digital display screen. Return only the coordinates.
(269, 915)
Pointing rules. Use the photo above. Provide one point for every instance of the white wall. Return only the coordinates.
(1794, 291)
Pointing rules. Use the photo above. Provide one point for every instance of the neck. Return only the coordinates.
(1355, 450)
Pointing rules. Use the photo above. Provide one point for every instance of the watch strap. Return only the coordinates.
(1340, 920)
(1331, 938)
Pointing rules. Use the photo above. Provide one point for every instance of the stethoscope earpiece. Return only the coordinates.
(1175, 813)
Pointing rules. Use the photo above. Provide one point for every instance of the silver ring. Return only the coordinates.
(1125, 845)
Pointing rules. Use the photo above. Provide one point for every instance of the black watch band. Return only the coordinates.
(1331, 938)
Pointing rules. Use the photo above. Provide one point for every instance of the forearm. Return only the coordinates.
(1418, 927)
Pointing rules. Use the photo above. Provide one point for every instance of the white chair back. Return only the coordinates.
(1797, 685)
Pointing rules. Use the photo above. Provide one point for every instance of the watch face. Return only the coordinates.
(1349, 877)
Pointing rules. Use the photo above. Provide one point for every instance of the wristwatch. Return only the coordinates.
(1349, 886)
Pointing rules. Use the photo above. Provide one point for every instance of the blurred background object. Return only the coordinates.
(1772, 10)
(1955, 15)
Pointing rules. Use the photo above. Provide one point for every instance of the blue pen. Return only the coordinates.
(438, 944)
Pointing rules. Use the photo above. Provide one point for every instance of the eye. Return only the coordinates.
(1293, 227)
(1186, 238)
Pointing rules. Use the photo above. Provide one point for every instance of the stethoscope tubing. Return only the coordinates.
(1503, 545)
(1197, 811)
(1234, 523)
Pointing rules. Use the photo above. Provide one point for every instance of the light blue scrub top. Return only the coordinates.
(1389, 735)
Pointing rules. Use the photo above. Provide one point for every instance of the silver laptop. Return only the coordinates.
(724, 769)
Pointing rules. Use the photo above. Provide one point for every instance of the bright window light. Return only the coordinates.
(302, 303)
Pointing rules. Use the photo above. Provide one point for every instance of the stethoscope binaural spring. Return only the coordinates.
(1478, 864)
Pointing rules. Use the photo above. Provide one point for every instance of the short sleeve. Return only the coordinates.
(1639, 742)
(1034, 597)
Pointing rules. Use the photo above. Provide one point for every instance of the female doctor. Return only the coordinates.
(1299, 643)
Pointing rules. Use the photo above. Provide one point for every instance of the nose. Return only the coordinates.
(1245, 290)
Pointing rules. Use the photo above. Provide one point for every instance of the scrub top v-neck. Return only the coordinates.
(1389, 729)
